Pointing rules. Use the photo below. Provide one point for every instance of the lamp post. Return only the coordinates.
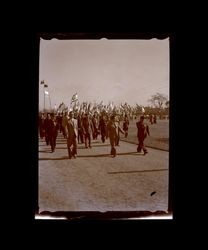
(44, 97)
(50, 101)
(45, 86)
(42, 82)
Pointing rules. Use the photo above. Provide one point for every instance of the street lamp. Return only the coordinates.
(42, 82)
(44, 86)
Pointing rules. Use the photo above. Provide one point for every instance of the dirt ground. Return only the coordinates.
(95, 181)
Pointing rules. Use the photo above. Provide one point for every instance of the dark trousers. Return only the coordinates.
(141, 146)
(112, 143)
(80, 136)
(95, 134)
(126, 133)
(72, 141)
(52, 141)
(41, 131)
(64, 131)
(47, 138)
(87, 140)
(117, 140)
(103, 135)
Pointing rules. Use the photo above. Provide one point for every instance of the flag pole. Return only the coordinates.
(44, 102)
(44, 85)
(50, 101)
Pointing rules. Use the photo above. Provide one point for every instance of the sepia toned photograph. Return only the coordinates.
(103, 126)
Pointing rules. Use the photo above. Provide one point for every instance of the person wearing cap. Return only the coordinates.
(72, 133)
(142, 132)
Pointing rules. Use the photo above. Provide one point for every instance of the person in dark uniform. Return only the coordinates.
(151, 118)
(80, 129)
(59, 122)
(46, 128)
(95, 127)
(155, 119)
(118, 131)
(142, 132)
(102, 127)
(87, 130)
(126, 125)
(112, 134)
(41, 125)
(64, 124)
(53, 132)
(71, 133)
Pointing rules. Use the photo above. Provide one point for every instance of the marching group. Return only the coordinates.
(82, 128)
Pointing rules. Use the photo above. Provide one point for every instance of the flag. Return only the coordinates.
(74, 98)
(77, 106)
(89, 107)
(143, 110)
(46, 92)
(60, 105)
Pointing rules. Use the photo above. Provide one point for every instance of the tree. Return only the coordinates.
(158, 100)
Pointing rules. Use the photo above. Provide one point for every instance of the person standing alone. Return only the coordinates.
(111, 133)
(142, 132)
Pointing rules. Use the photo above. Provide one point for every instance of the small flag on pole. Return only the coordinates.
(74, 98)
(143, 110)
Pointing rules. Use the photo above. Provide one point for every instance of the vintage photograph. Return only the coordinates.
(103, 122)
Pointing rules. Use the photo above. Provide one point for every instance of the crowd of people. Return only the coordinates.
(82, 128)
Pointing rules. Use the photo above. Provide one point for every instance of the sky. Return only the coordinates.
(105, 70)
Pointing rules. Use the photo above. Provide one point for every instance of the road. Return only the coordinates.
(95, 181)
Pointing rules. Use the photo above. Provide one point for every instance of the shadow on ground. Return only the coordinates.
(97, 155)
